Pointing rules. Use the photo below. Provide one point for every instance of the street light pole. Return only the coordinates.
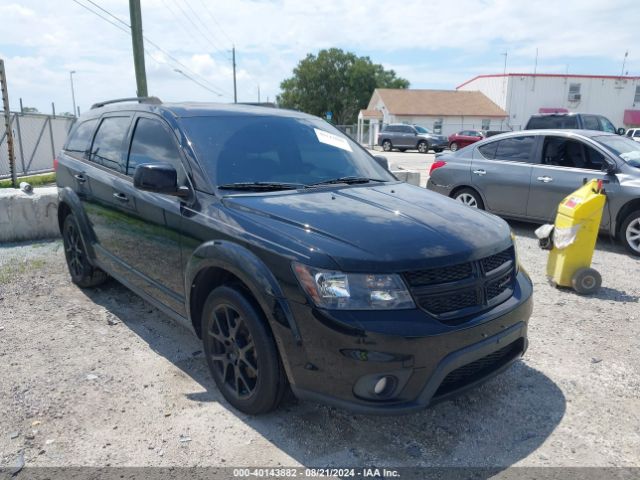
(73, 93)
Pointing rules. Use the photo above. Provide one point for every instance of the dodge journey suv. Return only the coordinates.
(298, 260)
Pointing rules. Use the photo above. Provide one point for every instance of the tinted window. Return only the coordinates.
(630, 133)
(590, 122)
(488, 150)
(80, 138)
(107, 144)
(606, 125)
(517, 149)
(407, 129)
(251, 148)
(553, 121)
(636, 134)
(564, 152)
(152, 143)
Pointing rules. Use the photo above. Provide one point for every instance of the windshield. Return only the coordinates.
(624, 147)
(251, 148)
(421, 129)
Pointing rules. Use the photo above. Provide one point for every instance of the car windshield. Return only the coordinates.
(421, 129)
(625, 148)
(249, 149)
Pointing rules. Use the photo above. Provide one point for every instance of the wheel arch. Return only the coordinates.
(628, 208)
(69, 202)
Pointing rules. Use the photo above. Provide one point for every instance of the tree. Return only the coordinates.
(335, 81)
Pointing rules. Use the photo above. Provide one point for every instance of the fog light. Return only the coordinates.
(380, 386)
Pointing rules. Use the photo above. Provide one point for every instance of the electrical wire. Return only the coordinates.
(197, 27)
(216, 21)
(215, 89)
(206, 29)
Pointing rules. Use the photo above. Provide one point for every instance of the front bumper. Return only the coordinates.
(435, 143)
(433, 364)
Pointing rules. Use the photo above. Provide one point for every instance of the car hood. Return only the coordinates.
(389, 227)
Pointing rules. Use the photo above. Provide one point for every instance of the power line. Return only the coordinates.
(216, 21)
(210, 32)
(148, 40)
(197, 27)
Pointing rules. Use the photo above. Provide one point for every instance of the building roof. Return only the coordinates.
(370, 114)
(436, 103)
(562, 75)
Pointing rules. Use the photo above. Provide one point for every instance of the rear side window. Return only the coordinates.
(152, 143)
(80, 138)
(107, 145)
(516, 149)
(590, 122)
(488, 150)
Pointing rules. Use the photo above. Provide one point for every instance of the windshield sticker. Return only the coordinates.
(333, 140)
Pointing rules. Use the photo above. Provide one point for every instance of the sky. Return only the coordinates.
(434, 44)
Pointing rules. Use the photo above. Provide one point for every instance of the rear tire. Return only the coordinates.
(423, 146)
(470, 198)
(586, 281)
(386, 146)
(82, 272)
(630, 233)
(241, 352)
(453, 147)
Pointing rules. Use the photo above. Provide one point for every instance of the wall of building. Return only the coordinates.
(527, 94)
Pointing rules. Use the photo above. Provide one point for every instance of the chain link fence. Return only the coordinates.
(37, 138)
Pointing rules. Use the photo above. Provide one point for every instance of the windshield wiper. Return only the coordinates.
(347, 180)
(261, 186)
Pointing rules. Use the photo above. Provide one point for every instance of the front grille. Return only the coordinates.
(455, 292)
(482, 367)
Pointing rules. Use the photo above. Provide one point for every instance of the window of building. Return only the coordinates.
(151, 143)
(486, 124)
(574, 92)
(437, 126)
(107, 144)
(636, 99)
(80, 139)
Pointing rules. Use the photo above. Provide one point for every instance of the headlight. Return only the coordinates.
(353, 291)
(515, 251)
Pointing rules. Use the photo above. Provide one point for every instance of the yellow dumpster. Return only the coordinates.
(574, 239)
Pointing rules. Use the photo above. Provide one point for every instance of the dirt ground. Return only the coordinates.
(99, 377)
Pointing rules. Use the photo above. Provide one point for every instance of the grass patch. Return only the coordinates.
(33, 180)
(11, 270)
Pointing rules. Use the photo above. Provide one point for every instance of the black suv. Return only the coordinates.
(579, 121)
(292, 253)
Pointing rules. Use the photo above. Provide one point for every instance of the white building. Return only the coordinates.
(524, 94)
(442, 111)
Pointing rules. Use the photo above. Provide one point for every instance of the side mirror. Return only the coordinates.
(382, 161)
(158, 178)
(621, 131)
(609, 168)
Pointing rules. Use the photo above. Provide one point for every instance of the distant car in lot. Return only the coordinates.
(410, 137)
(634, 134)
(524, 175)
(464, 138)
(579, 121)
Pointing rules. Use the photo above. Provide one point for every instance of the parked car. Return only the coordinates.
(634, 134)
(410, 137)
(464, 138)
(297, 259)
(524, 175)
(580, 121)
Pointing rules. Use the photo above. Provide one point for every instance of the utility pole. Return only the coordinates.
(73, 93)
(624, 61)
(233, 59)
(135, 16)
(7, 124)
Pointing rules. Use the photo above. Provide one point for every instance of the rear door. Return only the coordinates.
(501, 172)
(566, 163)
(407, 137)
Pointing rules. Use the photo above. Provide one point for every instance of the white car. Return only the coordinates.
(634, 134)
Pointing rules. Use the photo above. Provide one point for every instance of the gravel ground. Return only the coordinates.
(99, 377)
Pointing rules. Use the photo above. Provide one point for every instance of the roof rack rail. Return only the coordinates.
(150, 100)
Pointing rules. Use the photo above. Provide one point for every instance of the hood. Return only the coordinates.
(389, 227)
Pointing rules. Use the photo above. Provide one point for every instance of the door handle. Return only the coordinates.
(80, 178)
(121, 196)
(545, 179)
(480, 172)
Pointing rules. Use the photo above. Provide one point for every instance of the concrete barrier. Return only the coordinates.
(28, 216)
(408, 176)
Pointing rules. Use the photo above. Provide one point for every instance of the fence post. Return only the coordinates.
(53, 147)
(17, 117)
(7, 123)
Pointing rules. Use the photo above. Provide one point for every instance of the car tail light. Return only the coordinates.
(55, 164)
(436, 165)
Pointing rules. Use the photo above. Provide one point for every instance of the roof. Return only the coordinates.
(561, 75)
(436, 103)
(370, 114)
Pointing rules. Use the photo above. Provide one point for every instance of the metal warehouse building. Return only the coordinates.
(524, 94)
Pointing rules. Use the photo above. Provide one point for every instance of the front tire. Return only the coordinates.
(386, 146)
(241, 352)
(470, 198)
(423, 146)
(82, 272)
(630, 233)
